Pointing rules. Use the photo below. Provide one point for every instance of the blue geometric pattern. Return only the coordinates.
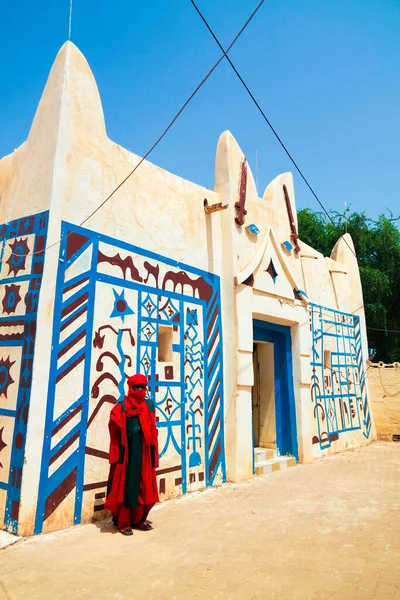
(121, 307)
(187, 391)
(338, 387)
(194, 368)
(26, 239)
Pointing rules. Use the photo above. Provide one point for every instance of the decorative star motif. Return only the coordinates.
(272, 271)
(148, 330)
(148, 305)
(11, 298)
(121, 307)
(19, 252)
(5, 377)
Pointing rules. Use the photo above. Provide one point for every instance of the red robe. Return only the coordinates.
(118, 457)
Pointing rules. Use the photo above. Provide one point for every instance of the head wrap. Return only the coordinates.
(135, 398)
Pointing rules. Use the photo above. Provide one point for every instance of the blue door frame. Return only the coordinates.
(285, 408)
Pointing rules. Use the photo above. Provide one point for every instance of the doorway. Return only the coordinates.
(264, 420)
(273, 403)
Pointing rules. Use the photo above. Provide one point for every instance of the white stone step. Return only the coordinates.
(274, 464)
(262, 454)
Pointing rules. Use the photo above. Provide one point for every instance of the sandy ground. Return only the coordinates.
(326, 530)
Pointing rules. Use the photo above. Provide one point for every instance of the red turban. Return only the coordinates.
(136, 398)
(137, 379)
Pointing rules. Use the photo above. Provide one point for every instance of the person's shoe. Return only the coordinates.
(126, 531)
(143, 526)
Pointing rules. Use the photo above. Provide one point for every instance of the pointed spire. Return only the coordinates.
(344, 251)
(70, 89)
(228, 164)
(67, 131)
(350, 296)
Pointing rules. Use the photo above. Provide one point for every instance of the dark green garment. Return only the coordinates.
(134, 467)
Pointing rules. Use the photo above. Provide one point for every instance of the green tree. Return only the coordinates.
(377, 245)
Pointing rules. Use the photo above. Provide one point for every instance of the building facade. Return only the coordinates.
(249, 337)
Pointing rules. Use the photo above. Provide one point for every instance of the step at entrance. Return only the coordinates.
(267, 460)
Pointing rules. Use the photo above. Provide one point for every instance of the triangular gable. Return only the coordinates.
(268, 272)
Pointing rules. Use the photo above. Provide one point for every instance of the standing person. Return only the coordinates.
(132, 485)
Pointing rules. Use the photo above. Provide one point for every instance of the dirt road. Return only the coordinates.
(329, 530)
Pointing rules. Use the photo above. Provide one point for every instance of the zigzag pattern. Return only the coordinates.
(72, 345)
(215, 457)
(360, 365)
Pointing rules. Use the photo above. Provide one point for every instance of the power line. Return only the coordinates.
(180, 111)
(164, 133)
(266, 119)
(385, 330)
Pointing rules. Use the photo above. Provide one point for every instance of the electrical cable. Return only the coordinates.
(177, 115)
(385, 330)
(276, 135)
(267, 120)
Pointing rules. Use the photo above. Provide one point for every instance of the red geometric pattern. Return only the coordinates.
(5, 377)
(11, 298)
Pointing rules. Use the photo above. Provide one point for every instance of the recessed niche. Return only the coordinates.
(327, 359)
(165, 343)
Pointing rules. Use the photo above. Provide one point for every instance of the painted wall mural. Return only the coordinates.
(121, 310)
(22, 249)
(338, 387)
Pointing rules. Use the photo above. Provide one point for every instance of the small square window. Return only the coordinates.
(165, 343)
(327, 359)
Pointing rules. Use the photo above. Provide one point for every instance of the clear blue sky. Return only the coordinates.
(327, 73)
